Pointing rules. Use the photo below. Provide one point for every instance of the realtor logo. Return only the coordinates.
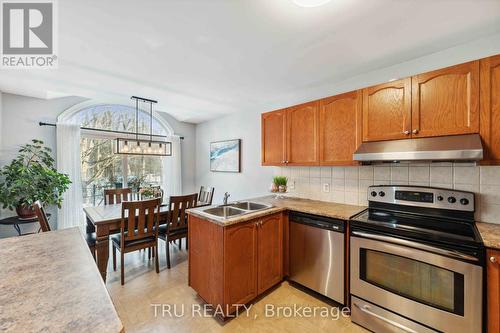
(28, 34)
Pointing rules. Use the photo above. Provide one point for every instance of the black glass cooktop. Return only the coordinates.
(432, 230)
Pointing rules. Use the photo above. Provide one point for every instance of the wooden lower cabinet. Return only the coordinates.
(240, 264)
(493, 287)
(270, 252)
(233, 265)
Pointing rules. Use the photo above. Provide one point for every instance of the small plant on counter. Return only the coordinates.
(31, 176)
(280, 183)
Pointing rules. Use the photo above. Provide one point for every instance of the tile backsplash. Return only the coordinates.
(349, 184)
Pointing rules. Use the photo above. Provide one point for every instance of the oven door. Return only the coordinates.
(427, 287)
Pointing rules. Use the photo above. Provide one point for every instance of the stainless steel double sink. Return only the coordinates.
(235, 209)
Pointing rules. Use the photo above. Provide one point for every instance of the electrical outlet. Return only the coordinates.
(326, 187)
(291, 185)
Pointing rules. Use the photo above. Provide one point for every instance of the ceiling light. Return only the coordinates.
(310, 3)
(143, 146)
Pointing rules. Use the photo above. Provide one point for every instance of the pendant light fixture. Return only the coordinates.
(138, 146)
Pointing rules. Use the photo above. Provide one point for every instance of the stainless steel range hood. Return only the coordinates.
(466, 147)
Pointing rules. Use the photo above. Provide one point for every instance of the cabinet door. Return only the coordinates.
(493, 283)
(446, 101)
(490, 108)
(387, 111)
(240, 264)
(270, 252)
(338, 128)
(302, 133)
(273, 137)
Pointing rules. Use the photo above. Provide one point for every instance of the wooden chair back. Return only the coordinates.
(206, 195)
(177, 217)
(139, 220)
(42, 217)
(117, 195)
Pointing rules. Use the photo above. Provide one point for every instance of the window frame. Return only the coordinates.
(71, 116)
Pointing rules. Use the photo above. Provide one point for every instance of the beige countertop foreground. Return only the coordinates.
(49, 282)
(322, 208)
(490, 233)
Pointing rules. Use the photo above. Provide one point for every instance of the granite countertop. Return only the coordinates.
(490, 233)
(322, 208)
(49, 282)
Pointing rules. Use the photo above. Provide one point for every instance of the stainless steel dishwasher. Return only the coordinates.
(317, 254)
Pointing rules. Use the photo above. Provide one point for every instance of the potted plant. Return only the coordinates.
(31, 176)
(150, 192)
(280, 183)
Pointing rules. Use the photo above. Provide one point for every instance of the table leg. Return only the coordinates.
(102, 249)
(90, 226)
(18, 229)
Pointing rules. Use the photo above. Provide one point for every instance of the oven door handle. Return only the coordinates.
(366, 309)
(416, 245)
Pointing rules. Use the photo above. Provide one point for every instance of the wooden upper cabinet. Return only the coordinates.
(302, 134)
(387, 111)
(446, 101)
(273, 137)
(490, 109)
(493, 290)
(270, 252)
(339, 136)
(240, 259)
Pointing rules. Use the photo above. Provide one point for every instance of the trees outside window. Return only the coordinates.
(101, 167)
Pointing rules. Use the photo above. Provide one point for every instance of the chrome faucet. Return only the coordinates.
(226, 196)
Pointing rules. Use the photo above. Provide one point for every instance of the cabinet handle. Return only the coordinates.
(406, 132)
(493, 259)
(415, 131)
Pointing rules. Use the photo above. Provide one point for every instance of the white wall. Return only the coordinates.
(19, 117)
(255, 179)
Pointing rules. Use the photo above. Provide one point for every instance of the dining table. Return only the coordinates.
(105, 221)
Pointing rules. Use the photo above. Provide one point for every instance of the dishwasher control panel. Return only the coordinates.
(318, 221)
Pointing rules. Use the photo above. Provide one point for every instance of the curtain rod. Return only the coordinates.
(41, 123)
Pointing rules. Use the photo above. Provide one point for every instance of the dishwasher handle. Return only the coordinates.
(318, 221)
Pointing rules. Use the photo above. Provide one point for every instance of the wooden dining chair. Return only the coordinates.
(176, 226)
(117, 195)
(138, 230)
(205, 196)
(42, 217)
(90, 237)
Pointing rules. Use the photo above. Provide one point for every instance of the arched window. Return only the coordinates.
(101, 168)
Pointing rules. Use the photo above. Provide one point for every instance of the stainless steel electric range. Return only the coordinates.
(416, 261)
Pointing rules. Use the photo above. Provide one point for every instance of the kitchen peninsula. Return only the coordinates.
(234, 260)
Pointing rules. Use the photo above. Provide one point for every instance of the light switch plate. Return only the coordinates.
(326, 187)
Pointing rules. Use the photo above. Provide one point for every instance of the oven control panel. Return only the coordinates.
(422, 196)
